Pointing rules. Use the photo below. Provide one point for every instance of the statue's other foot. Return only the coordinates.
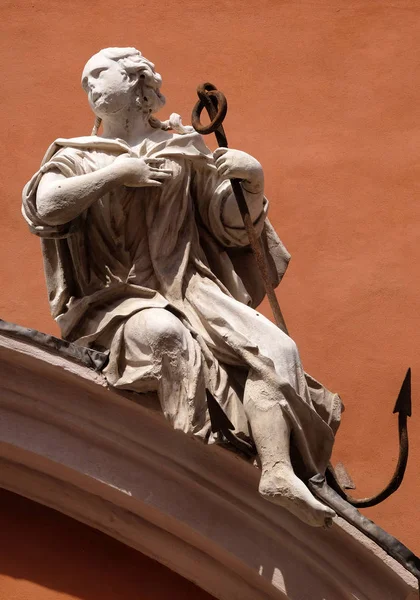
(281, 486)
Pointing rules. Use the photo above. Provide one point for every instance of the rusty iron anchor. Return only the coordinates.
(403, 408)
(327, 488)
(331, 493)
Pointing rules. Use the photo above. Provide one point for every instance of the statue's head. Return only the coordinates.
(117, 78)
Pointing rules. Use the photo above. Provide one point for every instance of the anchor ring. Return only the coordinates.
(214, 101)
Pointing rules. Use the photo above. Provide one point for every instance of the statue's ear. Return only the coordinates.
(133, 78)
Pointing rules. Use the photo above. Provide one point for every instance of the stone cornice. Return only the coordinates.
(111, 461)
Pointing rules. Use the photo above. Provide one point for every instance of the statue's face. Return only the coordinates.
(108, 86)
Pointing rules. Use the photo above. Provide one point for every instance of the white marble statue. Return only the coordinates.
(146, 255)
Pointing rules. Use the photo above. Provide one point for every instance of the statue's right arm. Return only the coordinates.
(61, 199)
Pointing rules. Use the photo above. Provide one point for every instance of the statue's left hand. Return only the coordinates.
(235, 164)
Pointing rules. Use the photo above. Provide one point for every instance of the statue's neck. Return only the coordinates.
(132, 126)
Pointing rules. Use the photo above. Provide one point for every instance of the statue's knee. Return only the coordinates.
(159, 328)
(166, 331)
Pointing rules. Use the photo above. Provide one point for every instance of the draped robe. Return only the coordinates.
(169, 247)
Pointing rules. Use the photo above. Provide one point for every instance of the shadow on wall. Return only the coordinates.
(46, 548)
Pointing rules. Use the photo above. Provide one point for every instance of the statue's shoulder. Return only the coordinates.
(91, 142)
(87, 143)
(191, 145)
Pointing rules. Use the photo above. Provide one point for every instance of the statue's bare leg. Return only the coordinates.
(157, 338)
(274, 363)
(279, 483)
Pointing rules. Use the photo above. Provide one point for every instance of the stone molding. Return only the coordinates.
(111, 461)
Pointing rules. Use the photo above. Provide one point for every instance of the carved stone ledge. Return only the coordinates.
(112, 462)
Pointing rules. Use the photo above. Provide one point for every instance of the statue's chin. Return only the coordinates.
(104, 107)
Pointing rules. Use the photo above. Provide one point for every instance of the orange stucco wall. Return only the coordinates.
(45, 555)
(326, 95)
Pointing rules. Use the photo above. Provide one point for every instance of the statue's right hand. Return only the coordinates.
(140, 172)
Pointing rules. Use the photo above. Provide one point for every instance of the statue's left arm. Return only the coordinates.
(235, 164)
(215, 199)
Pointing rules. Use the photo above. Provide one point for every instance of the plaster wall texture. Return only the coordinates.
(325, 95)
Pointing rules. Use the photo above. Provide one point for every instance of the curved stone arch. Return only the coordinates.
(112, 462)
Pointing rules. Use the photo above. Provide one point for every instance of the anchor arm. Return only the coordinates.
(403, 408)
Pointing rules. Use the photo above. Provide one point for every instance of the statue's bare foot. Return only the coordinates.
(281, 486)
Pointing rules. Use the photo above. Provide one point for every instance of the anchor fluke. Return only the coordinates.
(403, 403)
(403, 408)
